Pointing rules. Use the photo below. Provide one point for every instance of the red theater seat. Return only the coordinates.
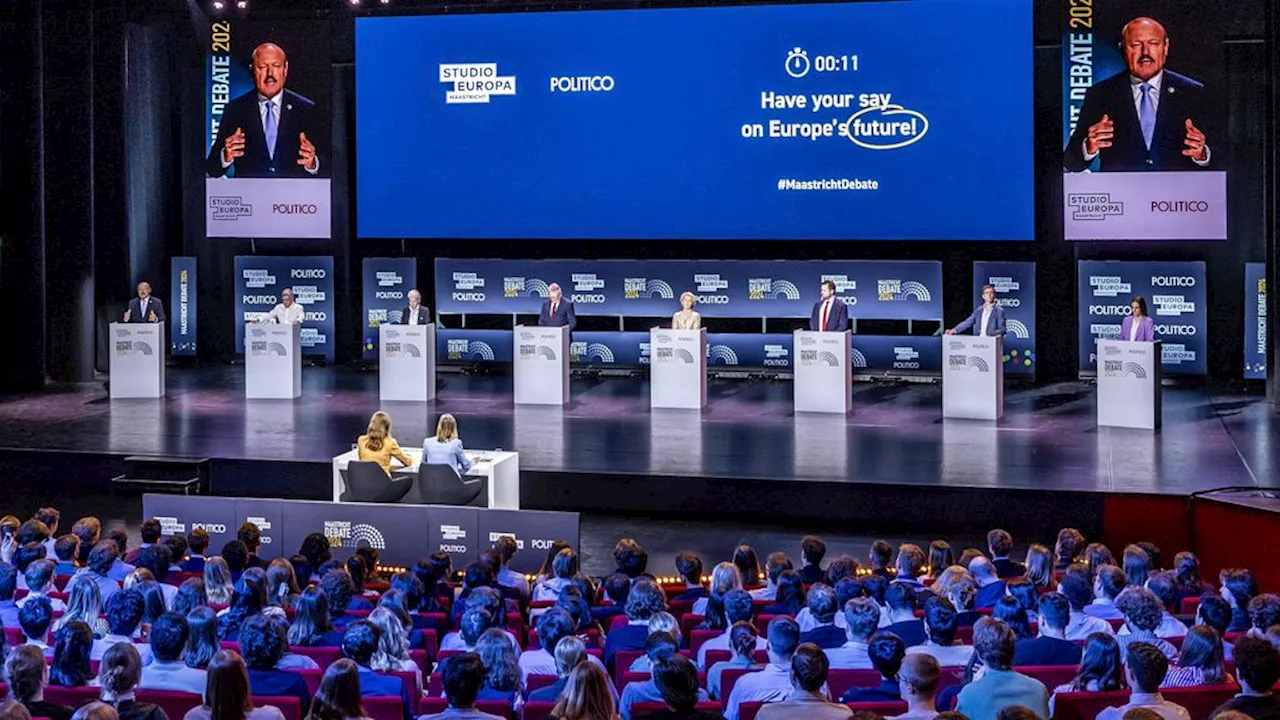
(1199, 701)
(70, 697)
(644, 709)
(324, 656)
(841, 681)
(385, 708)
(537, 711)
(176, 704)
(1051, 675)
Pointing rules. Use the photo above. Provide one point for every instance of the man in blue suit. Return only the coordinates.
(987, 319)
(830, 314)
(556, 311)
(144, 308)
(359, 643)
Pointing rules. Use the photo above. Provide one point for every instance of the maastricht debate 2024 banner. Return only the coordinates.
(1255, 321)
(182, 306)
(387, 282)
(874, 289)
(1015, 284)
(769, 351)
(259, 280)
(1175, 295)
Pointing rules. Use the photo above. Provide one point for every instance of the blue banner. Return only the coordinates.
(387, 282)
(182, 306)
(1255, 321)
(1015, 292)
(259, 280)
(874, 289)
(894, 353)
(474, 346)
(1175, 296)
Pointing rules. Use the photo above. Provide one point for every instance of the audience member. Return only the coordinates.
(282, 584)
(1189, 584)
(1145, 668)
(190, 596)
(907, 568)
(808, 700)
(167, 671)
(1051, 646)
(918, 684)
(941, 557)
(774, 565)
(1161, 584)
(563, 568)
(773, 683)
(66, 550)
(862, 618)
(1200, 662)
(1257, 671)
(790, 600)
(70, 667)
(118, 677)
(940, 625)
(1039, 568)
(39, 577)
(227, 695)
(663, 622)
(1097, 555)
(312, 626)
(8, 586)
(88, 530)
(1008, 610)
(124, 615)
(569, 652)
(630, 558)
(900, 601)
(359, 643)
(677, 682)
(1000, 686)
(886, 652)
(724, 577)
(743, 644)
(338, 697)
(689, 568)
(658, 647)
(822, 607)
(27, 676)
(990, 587)
(812, 551)
(1027, 595)
(502, 672)
(96, 710)
(250, 536)
(587, 696)
(100, 569)
(1238, 589)
(644, 601)
(462, 676)
(1109, 581)
(202, 638)
(1136, 565)
(1075, 586)
(197, 544)
(1101, 669)
(748, 564)
(338, 590)
(1264, 611)
(35, 618)
(151, 532)
(880, 556)
(1142, 614)
(737, 608)
(217, 581)
(393, 643)
(264, 644)
(1000, 544)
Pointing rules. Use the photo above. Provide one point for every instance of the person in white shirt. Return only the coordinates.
(1109, 582)
(1145, 669)
(286, 311)
(918, 683)
(1162, 586)
(1075, 585)
(940, 625)
(168, 671)
(507, 548)
(737, 608)
(39, 578)
(773, 567)
(124, 614)
(773, 683)
(554, 625)
(724, 577)
(862, 619)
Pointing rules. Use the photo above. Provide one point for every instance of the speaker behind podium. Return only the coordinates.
(137, 360)
(273, 361)
(1129, 375)
(823, 376)
(541, 365)
(973, 377)
(407, 362)
(678, 368)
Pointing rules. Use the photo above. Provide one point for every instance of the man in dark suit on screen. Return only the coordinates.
(269, 132)
(1145, 118)
(556, 311)
(144, 308)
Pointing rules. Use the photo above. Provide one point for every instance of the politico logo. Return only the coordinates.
(1179, 206)
(294, 209)
(1173, 281)
(388, 295)
(308, 273)
(1109, 310)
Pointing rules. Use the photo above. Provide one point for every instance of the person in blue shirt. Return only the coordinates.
(501, 672)
(445, 448)
(617, 587)
(197, 544)
(119, 568)
(8, 586)
(66, 549)
(689, 567)
(263, 643)
(645, 600)
(886, 652)
(463, 677)
(506, 547)
(359, 643)
(337, 588)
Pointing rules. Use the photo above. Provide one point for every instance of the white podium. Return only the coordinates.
(541, 365)
(273, 361)
(407, 362)
(973, 377)
(678, 368)
(1129, 384)
(137, 360)
(823, 376)
(501, 468)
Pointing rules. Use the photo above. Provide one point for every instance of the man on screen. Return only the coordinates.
(268, 132)
(830, 314)
(286, 311)
(1145, 118)
(415, 314)
(556, 311)
(987, 319)
(144, 308)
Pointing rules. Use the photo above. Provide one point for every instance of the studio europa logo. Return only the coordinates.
(229, 207)
(475, 82)
(1093, 206)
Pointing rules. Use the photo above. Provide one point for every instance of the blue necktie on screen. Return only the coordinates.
(270, 127)
(1147, 114)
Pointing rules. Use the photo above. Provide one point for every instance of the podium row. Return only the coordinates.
(972, 370)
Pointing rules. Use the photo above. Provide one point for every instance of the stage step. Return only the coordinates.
(162, 474)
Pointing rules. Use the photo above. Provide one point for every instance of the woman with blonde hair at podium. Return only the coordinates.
(445, 448)
(1138, 327)
(687, 318)
(377, 445)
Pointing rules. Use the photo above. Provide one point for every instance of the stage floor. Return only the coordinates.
(1048, 440)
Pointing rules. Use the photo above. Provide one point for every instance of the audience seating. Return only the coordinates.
(698, 637)
(689, 623)
(1051, 675)
(762, 623)
(1190, 605)
(1199, 701)
(592, 640)
(729, 678)
(622, 664)
(715, 656)
(324, 656)
(535, 682)
(841, 681)
(70, 697)
(644, 709)
(387, 707)
(432, 705)
(537, 711)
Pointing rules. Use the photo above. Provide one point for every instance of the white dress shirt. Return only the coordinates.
(174, 677)
(1081, 626)
(850, 656)
(986, 315)
(542, 662)
(293, 314)
(413, 315)
(1133, 329)
(953, 656)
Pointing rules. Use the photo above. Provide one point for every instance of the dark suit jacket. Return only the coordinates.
(837, 317)
(1046, 651)
(911, 632)
(1006, 568)
(692, 594)
(989, 595)
(297, 115)
(193, 565)
(279, 683)
(810, 574)
(563, 316)
(825, 637)
(374, 684)
(153, 306)
(627, 637)
(424, 315)
(887, 691)
(1181, 98)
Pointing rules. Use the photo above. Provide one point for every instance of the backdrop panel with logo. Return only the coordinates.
(1015, 284)
(387, 282)
(182, 306)
(1255, 321)
(395, 530)
(264, 192)
(1141, 185)
(1175, 295)
(258, 282)
(874, 289)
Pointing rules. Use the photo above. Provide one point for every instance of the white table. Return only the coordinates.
(500, 467)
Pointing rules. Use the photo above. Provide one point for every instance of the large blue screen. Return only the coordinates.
(907, 120)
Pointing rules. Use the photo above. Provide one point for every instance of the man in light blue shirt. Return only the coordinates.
(1000, 687)
(658, 647)
(862, 617)
(773, 683)
(168, 672)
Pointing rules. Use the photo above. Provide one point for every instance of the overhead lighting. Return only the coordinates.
(242, 4)
(219, 5)
(354, 3)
